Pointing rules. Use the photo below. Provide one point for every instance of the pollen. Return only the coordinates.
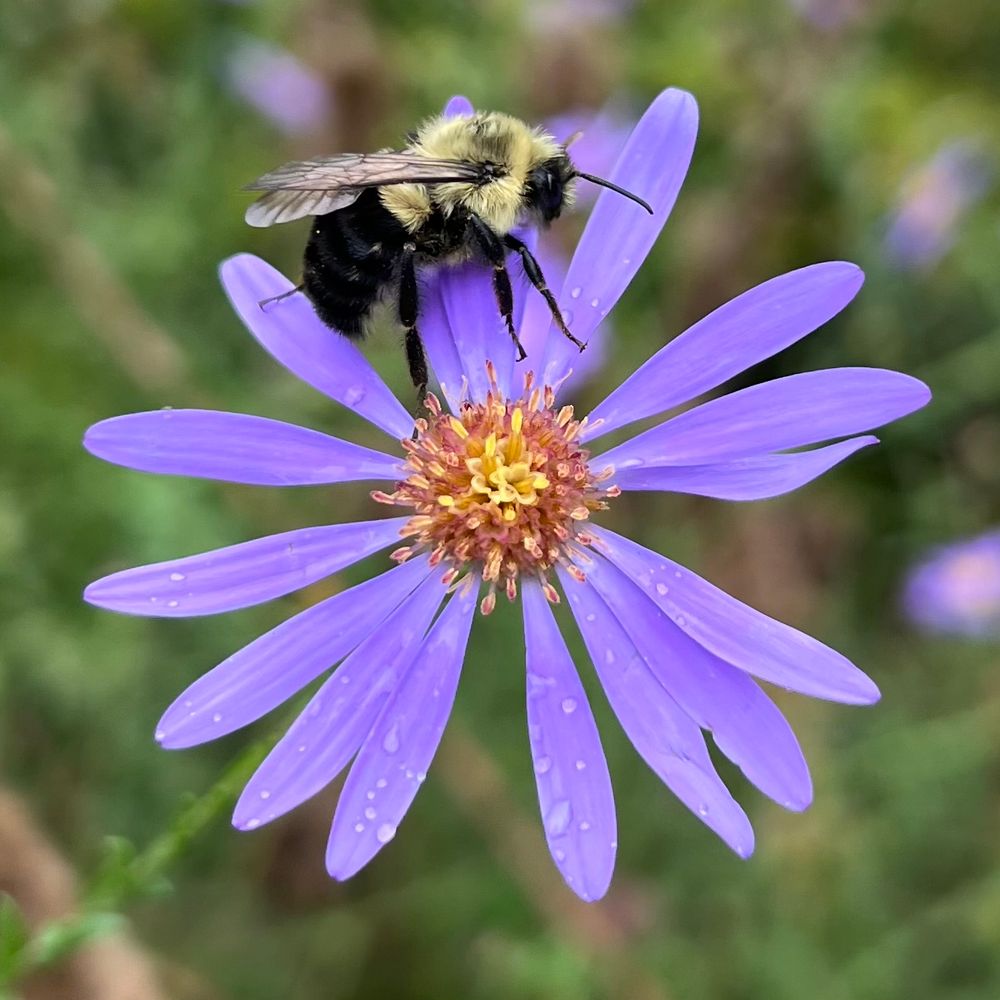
(503, 488)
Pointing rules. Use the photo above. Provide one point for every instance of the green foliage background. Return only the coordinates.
(121, 158)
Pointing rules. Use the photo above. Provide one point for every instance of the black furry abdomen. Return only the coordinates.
(350, 259)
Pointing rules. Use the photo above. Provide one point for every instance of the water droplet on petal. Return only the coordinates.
(370, 812)
(594, 303)
(390, 744)
(559, 855)
(177, 577)
(681, 620)
(173, 604)
(591, 617)
(421, 777)
(575, 293)
(609, 656)
(265, 794)
(369, 795)
(385, 833)
(381, 783)
(543, 764)
(251, 824)
(584, 826)
(703, 809)
(302, 748)
(662, 589)
(569, 705)
(558, 817)
(581, 764)
(217, 717)
(354, 395)
(359, 827)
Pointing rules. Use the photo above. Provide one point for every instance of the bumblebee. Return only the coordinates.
(455, 192)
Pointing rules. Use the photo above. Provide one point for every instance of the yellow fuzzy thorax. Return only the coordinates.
(488, 136)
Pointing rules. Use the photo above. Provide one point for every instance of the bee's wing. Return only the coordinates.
(320, 186)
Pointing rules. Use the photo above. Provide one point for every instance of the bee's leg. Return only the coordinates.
(493, 249)
(535, 276)
(409, 309)
(283, 295)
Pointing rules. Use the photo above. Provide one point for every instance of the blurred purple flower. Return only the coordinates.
(555, 15)
(830, 15)
(499, 493)
(286, 92)
(956, 588)
(603, 135)
(933, 202)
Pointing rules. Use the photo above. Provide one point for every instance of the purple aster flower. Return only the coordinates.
(830, 15)
(933, 202)
(497, 493)
(956, 588)
(290, 95)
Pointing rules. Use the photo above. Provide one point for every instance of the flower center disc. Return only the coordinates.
(504, 486)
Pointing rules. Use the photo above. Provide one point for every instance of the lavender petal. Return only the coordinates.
(458, 106)
(785, 413)
(747, 726)
(326, 735)
(239, 576)
(734, 632)
(234, 447)
(742, 478)
(294, 335)
(620, 233)
(571, 773)
(663, 735)
(272, 668)
(746, 330)
(396, 755)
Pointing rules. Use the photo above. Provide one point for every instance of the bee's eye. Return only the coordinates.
(545, 191)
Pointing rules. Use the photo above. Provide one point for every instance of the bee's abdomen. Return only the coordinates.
(350, 258)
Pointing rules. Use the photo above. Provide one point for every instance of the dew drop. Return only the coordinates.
(370, 812)
(662, 589)
(575, 294)
(591, 617)
(584, 826)
(681, 620)
(217, 717)
(369, 795)
(265, 794)
(177, 577)
(390, 744)
(153, 600)
(359, 827)
(543, 764)
(609, 656)
(345, 679)
(703, 809)
(594, 303)
(385, 833)
(569, 705)
(558, 817)
(173, 604)
(559, 855)
(677, 573)
(581, 764)
(251, 824)
(302, 748)
(421, 777)
(354, 395)
(160, 734)
(381, 783)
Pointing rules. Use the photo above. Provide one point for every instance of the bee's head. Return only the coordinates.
(549, 187)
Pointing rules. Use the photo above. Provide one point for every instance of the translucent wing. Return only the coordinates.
(320, 186)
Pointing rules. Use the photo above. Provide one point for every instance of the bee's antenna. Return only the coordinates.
(614, 187)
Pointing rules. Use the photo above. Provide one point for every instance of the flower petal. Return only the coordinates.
(574, 787)
(784, 413)
(234, 447)
(458, 106)
(746, 330)
(297, 338)
(619, 233)
(239, 576)
(743, 478)
(439, 344)
(396, 755)
(272, 668)
(331, 728)
(746, 724)
(664, 736)
(735, 632)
